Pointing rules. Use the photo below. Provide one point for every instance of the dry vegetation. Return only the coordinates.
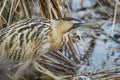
(64, 64)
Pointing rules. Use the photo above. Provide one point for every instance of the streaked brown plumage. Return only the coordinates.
(31, 38)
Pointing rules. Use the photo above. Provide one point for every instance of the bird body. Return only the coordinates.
(31, 38)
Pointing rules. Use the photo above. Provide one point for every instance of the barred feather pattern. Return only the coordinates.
(23, 39)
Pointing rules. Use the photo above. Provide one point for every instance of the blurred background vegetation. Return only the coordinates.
(15, 10)
(88, 54)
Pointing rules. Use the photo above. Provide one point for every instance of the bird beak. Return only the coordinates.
(76, 25)
(85, 25)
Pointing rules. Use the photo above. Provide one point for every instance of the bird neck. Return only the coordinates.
(56, 39)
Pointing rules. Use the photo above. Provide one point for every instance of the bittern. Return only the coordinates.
(31, 38)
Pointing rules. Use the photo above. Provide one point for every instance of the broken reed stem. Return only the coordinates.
(3, 7)
(114, 19)
(11, 13)
(108, 13)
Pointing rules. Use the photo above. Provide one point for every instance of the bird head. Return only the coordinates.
(62, 26)
(65, 25)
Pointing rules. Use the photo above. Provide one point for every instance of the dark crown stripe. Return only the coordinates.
(70, 19)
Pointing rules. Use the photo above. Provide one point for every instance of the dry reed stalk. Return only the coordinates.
(57, 63)
(1, 23)
(106, 11)
(26, 8)
(11, 13)
(51, 8)
(75, 55)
